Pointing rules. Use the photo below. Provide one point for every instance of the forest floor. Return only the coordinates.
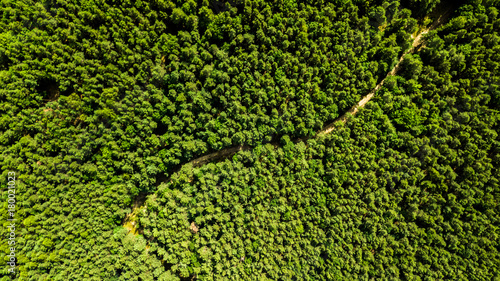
(131, 225)
(129, 222)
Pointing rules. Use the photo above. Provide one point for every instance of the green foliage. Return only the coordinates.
(408, 190)
(101, 101)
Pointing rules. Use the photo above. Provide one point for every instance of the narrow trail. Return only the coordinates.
(417, 41)
(228, 152)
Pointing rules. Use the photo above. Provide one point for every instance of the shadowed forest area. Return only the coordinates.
(251, 139)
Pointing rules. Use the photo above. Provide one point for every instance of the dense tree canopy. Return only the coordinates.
(102, 103)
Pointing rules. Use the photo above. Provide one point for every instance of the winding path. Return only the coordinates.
(228, 152)
(417, 41)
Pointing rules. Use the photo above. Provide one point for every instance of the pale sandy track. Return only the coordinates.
(228, 152)
(353, 110)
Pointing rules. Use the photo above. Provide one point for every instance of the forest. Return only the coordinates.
(250, 139)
